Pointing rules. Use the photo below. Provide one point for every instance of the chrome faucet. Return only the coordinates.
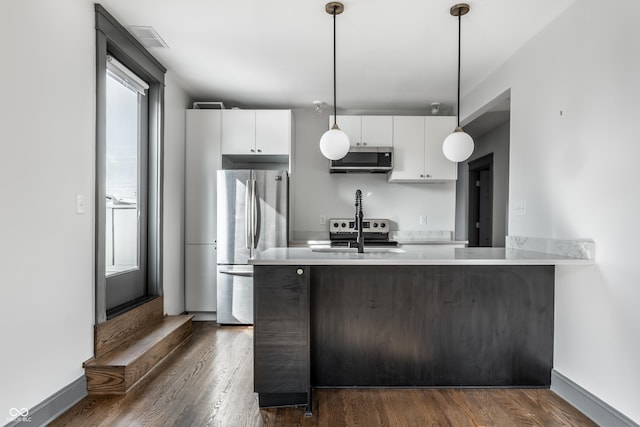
(358, 222)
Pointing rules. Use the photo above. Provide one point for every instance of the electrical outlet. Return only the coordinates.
(520, 207)
(422, 220)
(323, 219)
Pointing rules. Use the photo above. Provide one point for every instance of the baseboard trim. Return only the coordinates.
(600, 412)
(55, 405)
(590, 405)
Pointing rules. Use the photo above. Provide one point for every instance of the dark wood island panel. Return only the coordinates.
(400, 326)
(281, 335)
(432, 326)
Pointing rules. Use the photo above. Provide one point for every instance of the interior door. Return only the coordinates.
(126, 182)
(481, 201)
(485, 210)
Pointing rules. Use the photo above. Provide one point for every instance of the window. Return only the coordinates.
(125, 158)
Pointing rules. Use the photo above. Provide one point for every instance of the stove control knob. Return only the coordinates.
(383, 225)
(375, 225)
(335, 225)
(344, 224)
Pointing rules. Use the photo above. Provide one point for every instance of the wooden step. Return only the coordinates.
(118, 370)
(115, 332)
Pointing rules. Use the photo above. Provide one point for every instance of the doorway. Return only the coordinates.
(481, 202)
(128, 195)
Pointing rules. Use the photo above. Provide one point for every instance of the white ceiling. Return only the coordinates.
(392, 55)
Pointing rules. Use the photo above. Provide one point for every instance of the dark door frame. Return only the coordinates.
(112, 37)
(479, 219)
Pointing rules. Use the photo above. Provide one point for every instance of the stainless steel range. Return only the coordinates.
(342, 232)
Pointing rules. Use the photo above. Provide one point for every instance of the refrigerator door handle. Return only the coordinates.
(237, 273)
(247, 220)
(254, 214)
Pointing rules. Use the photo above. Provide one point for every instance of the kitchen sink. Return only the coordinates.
(377, 250)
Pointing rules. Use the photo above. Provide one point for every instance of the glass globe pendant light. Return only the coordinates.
(458, 146)
(334, 144)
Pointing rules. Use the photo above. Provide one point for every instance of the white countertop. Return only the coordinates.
(433, 242)
(413, 255)
(327, 243)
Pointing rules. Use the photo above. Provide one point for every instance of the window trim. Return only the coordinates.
(113, 39)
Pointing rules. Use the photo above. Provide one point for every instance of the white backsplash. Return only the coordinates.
(581, 249)
(421, 235)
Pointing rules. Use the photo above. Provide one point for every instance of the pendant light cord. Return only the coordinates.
(459, 32)
(335, 108)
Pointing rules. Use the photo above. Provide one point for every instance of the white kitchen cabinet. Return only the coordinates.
(377, 131)
(273, 132)
(408, 149)
(351, 125)
(256, 132)
(417, 148)
(366, 131)
(200, 278)
(436, 165)
(202, 160)
(238, 131)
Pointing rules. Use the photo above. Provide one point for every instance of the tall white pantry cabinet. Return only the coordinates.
(202, 160)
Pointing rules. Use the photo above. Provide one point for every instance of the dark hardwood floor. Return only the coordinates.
(209, 382)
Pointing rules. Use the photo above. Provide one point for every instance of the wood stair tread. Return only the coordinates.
(130, 346)
(145, 340)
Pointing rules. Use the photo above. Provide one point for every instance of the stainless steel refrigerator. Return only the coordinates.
(252, 216)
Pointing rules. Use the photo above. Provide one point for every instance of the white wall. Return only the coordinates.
(577, 173)
(315, 192)
(495, 141)
(176, 102)
(47, 157)
(47, 152)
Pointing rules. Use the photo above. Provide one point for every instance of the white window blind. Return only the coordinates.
(125, 76)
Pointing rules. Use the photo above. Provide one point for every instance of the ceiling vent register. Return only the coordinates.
(147, 36)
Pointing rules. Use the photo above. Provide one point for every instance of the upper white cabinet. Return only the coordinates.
(436, 165)
(417, 148)
(408, 149)
(377, 131)
(351, 125)
(366, 131)
(238, 131)
(273, 131)
(256, 132)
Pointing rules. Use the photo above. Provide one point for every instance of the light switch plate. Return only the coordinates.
(80, 205)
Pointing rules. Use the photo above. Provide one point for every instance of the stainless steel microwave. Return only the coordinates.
(364, 160)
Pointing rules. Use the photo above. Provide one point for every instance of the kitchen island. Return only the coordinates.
(417, 316)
